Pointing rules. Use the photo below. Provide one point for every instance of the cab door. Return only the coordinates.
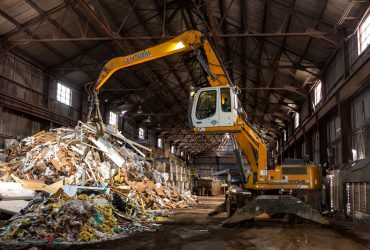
(205, 109)
(228, 107)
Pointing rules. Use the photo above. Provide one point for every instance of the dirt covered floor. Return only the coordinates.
(192, 229)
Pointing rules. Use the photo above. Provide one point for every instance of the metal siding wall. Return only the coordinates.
(315, 147)
(352, 44)
(28, 82)
(354, 59)
(205, 160)
(334, 140)
(21, 79)
(358, 200)
(304, 110)
(13, 124)
(334, 72)
(360, 111)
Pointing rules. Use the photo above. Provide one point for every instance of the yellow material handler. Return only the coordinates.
(216, 109)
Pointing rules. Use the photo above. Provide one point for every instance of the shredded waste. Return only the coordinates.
(78, 185)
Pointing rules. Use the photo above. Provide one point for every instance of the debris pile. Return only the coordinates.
(82, 186)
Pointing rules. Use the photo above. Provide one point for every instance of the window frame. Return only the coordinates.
(360, 41)
(225, 103)
(160, 143)
(296, 120)
(200, 102)
(284, 135)
(113, 116)
(141, 133)
(317, 97)
(64, 94)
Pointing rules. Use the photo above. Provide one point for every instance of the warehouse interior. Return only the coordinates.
(105, 142)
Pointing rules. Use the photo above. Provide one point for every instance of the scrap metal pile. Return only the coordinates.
(77, 185)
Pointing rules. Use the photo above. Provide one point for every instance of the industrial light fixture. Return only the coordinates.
(148, 120)
(159, 126)
(139, 110)
(106, 100)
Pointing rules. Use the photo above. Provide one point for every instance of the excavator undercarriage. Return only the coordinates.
(243, 206)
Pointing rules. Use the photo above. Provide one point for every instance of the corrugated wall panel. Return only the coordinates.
(354, 59)
(304, 110)
(352, 44)
(14, 124)
(334, 72)
(29, 83)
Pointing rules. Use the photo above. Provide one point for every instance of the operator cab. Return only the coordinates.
(213, 107)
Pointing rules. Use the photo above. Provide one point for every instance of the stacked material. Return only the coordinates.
(207, 186)
(82, 186)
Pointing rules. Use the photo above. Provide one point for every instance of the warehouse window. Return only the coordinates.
(113, 118)
(182, 154)
(317, 94)
(173, 149)
(141, 133)
(159, 143)
(284, 135)
(360, 116)
(64, 94)
(296, 120)
(334, 142)
(364, 34)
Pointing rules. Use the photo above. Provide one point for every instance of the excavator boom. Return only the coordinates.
(187, 41)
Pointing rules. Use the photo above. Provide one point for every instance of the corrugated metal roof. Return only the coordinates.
(274, 61)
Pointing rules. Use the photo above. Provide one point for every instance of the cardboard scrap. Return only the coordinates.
(52, 188)
(56, 164)
(33, 184)
(159, 192)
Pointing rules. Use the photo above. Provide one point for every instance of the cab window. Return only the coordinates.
(225, 100)
(206, 106)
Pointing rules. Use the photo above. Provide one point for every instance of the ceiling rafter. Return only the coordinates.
(280, 66)
(106, 31)
(183, 107)
(31, 34)
(278, 55)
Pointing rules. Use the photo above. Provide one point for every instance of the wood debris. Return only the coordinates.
(64, 163)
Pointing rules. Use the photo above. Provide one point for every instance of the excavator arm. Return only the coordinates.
(188, 41)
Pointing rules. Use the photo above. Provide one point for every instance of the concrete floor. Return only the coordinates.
(191, 229)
